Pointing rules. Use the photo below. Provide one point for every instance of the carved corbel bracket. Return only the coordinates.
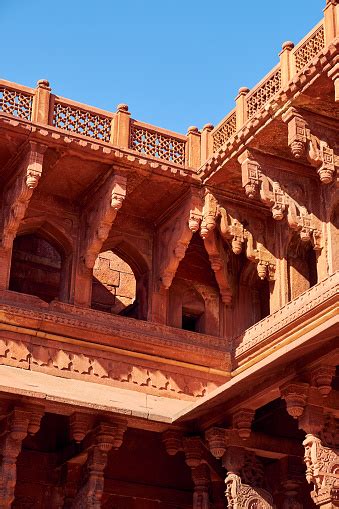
(210, 213)
(175, 236)
(258, 254)
(231, 229)
(192, 448)
(273, 196)
(250, 173)
(301, 140)
(242, 422)
(301, 221)
(18, 424)
(297, 132)
(100, 214)
(19, 191)
(218, 259)
(295, 395)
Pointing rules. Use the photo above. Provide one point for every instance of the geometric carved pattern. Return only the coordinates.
(260, 96)
(309, 49)
(225, 131)
(158, 145)
(82, 122)
(16, 103)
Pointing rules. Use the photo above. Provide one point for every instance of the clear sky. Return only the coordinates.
(175, 63)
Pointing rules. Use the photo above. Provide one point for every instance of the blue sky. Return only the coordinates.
(175, 63)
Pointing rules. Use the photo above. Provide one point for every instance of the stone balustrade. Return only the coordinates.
(260, 334)
(192, 150)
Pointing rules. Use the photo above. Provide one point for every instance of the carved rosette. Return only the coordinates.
(295, 396)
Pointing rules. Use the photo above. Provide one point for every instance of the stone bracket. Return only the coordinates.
(301, 141)
(218, 259)
(175, 235)
(231, 229)
(99, 216)
(257, 253)
(18, 193)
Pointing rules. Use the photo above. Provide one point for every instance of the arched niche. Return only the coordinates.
(40, 266)
(120, 282)
(301, 267)
(194, 302)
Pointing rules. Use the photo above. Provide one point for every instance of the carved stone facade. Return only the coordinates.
(168, 302)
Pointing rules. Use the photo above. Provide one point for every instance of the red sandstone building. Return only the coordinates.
(168, 302)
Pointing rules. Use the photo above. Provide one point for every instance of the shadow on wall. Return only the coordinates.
(114, 286)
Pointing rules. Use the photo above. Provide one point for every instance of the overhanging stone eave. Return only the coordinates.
(324, 61)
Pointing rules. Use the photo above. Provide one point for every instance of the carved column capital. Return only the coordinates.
(295, 395)
(216, 441)
(242, 422)
(172, 439)
(80, 425)
(18, 424)
(192, 447)
(321, 377)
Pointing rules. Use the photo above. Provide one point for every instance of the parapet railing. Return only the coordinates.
(254, 337)
(293, 59)
(192, 150)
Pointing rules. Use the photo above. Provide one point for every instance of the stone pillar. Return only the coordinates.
(201, 480)
(41, 103)
(206, 142)
(286, 67)
(193, 147)
(16, 426)
(241, 107)
(120, 134)
(331, 21)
